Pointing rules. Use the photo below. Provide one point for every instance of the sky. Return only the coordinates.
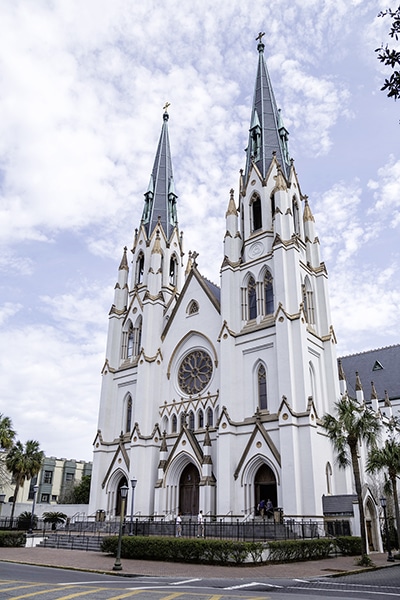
(82, 90)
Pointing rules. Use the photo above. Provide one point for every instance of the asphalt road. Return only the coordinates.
(25, 581)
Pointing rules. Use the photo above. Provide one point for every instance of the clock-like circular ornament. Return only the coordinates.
(195, 372)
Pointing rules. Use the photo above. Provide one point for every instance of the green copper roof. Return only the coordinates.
(267, 133)
(160, 198)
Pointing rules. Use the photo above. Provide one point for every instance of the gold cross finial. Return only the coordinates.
(260, 36)
(165, 107)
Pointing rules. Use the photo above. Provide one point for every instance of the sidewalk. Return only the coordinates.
(102, 563)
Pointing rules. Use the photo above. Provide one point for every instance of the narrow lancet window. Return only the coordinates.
(262, 387)
(252, 299)
(269, 293)
(256, 210)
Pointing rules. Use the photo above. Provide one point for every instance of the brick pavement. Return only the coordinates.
(102, 563)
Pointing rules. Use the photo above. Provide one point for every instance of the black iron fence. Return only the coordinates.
(223, 527)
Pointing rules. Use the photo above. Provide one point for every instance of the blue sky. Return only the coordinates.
(82, 90)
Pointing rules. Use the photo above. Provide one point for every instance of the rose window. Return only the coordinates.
(195, 372)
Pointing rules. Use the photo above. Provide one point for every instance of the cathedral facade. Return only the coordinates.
(212, 395)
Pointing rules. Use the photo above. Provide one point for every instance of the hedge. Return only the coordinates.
(12, 539)
(190, 550)
(226, 552)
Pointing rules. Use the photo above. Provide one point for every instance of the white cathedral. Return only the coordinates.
(212, 396)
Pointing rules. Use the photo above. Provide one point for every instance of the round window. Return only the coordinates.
(195, 372)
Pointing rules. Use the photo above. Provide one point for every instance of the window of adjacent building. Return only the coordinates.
(54, 498)
(262, 387)
(256, 213)
(69, 476)
(45, 498)
(269, 293)
(252, 299)
(48, 477)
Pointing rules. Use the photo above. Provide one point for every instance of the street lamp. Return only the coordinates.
(388, 547)
(35, 491)
(124, 492)
(133, 484)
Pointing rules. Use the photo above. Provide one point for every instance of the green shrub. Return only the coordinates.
(349, 545)
(12, 539)
(189, 550)
(297, 550)
(25, 520)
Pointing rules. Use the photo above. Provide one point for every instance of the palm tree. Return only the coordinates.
(7, 433)
(353, 424)
(23, 462)
(55, 518)
(388, 458)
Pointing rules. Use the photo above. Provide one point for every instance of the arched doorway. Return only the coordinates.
(122, 482)
(189, 490)
(265, 486)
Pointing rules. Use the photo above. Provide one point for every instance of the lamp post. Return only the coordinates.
(35, 491)
(133, 484)
(124, 492)
(388, 547)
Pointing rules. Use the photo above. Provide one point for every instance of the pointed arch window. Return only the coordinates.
(200, 419)
(262, 387)
(328, 475)
(273, 205)
(295, 211)
(173, 271)
(183, 420)
(140, 268)
(191, 420)
(130, 341)
(252, 299)
(210, 417)
(128, 415)
(308, 299)
(269, 293)
(174, 424)
(256, 213)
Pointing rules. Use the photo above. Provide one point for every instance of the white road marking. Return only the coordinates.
(245, 585)
(185, 581)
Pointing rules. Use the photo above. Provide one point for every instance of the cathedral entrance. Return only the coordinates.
(265, 486)
(122, 482)
(189, 490)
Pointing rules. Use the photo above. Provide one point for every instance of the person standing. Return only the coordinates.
(179, 525)
(200, 524)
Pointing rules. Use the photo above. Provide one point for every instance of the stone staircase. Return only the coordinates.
(91, 543)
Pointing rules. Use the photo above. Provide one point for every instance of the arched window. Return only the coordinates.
(210, 417)
(193, 308)
(165, 424)
(256, 213)
(269, 293)
(200, 419)
(183, 420)
(262, 387)
(128, 414)
(295, 211)
(173, 271)
(191, 420)
(273, 205)
(131, 338)
(140, 268)
(308, 299)
(328, 475)
(137, 336)
(252, 299)
(174, 424)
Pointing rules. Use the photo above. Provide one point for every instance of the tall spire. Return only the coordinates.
(267, 134)
(160, 198)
